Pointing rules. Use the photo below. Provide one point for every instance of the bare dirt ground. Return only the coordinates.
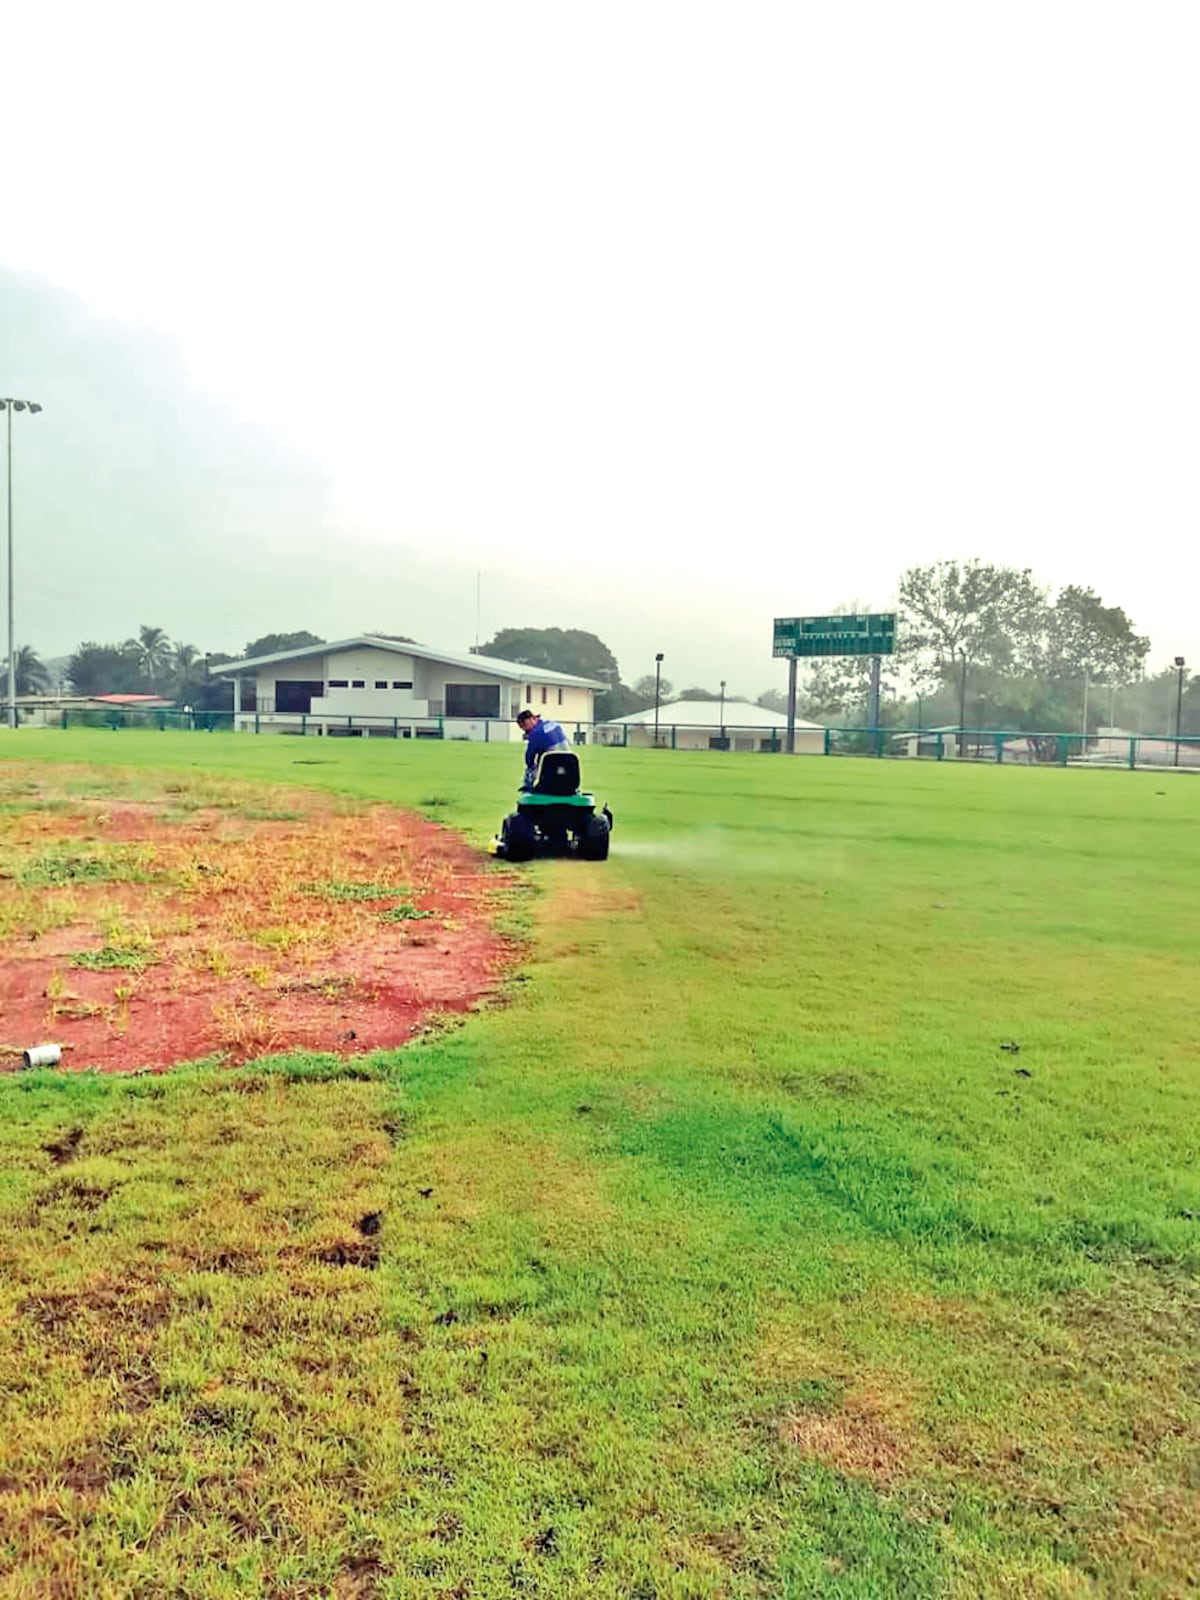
(144, 923)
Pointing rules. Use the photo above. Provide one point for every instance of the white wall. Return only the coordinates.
(426, 698)
(809, 741)
(560, 701)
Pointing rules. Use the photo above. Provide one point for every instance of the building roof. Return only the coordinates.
(514, 671)
(73, 702)
(708, 714)
(151, 700)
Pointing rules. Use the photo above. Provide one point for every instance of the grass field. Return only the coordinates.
(735, 1256)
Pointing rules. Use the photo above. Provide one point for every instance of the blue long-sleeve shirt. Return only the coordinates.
(544, 735)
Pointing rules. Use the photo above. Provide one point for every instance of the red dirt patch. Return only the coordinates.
(138, 936)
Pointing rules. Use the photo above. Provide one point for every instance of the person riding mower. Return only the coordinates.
(554, 817)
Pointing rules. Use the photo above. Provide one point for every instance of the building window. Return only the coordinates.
(400, 684)
(381, 683)
(357, 683)
(296, 695)
(339, 683)
(528, 694)
(545, 692)
(560, 697)
(472, 699)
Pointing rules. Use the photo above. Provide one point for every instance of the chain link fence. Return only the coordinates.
(1108, 748)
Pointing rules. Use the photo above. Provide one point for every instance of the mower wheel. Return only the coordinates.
(593, 842)
(518, 837)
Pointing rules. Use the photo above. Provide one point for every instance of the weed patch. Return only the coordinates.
(352, 891)
(113, 957)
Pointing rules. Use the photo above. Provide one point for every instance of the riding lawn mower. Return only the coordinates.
(555, 817)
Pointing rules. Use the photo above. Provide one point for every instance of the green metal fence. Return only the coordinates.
(997, 746)
(1016, 747)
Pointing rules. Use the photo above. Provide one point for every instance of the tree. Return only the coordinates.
(698, 693)
(272, 644)
(840, 686)
(152, 650)
(568, 650)
(958, 616)
(558, 649)
(645, 689)
(106, 669)
(30, 673)
(396, 638)
(619, 701)
(1086, 638)
(1149, 706)
(188, 673)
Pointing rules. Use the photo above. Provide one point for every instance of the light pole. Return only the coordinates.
(658, 661)
(8, 406)
(722, 713)
(1180, 663)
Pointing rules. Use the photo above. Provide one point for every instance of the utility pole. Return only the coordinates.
(1180, 663)
(8, 406)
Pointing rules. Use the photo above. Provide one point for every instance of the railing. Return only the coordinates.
(1012, 747)
(117, 717)
(260, 721)
(1015, 747)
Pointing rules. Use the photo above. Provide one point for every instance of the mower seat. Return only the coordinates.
(557, 773)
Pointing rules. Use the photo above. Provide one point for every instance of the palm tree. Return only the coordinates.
(153, 651)
(31, 674)
(188, 671)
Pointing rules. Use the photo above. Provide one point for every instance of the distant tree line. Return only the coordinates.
(978, 646)
(151, 663)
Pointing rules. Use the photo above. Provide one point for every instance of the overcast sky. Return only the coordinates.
(669, 318)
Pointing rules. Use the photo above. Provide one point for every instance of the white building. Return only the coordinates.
(712, 725)
(369, 687)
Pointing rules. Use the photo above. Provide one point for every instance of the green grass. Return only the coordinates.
(404, 914)
(100, 864)
(734, 1256)
(111, 957)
